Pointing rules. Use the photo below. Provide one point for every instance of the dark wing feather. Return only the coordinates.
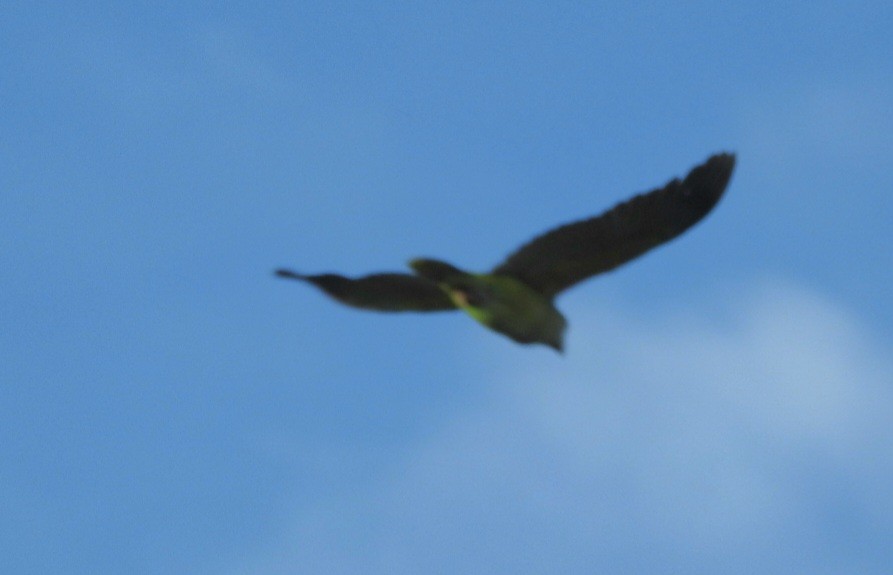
(381, 292)
(571, 253)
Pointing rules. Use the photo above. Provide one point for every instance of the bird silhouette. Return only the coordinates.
(517, 297)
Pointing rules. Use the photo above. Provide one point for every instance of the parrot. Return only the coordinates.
(516, 298)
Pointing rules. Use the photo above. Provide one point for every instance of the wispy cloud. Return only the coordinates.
(682, 443)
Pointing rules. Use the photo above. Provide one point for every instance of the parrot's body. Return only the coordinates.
(516, 298)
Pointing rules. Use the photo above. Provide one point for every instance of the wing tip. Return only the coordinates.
(709, 180)
(723, 162)
(288, 274)
(720, 167)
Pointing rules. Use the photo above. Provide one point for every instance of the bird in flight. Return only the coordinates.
(517, 297)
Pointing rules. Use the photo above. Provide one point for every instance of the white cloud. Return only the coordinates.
(751, 442)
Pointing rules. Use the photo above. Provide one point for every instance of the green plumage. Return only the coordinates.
(499, 302)
(516, 298)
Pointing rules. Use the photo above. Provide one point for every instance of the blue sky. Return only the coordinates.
(723, 406)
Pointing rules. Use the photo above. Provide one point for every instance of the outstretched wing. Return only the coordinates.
(381, 292)
(571, 253)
